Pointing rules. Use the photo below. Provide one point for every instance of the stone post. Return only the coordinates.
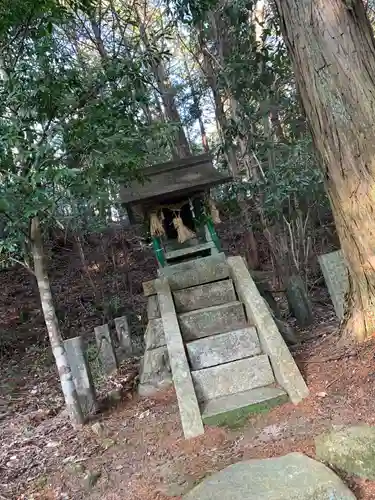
(81, 373)
(107, 354)
(336, 276)
(123, 333)
(187, 400)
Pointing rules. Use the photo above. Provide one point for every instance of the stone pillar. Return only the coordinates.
(123, 333)
(107, 354)
(336, 276)
(81, 374)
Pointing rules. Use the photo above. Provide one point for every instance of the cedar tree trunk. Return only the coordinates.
(333, 52)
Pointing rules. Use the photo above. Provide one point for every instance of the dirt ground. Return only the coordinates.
(135, 450)
(138, 451)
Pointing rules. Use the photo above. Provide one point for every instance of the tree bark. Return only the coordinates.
(57, 344)
(221, 119)
(333, 51)
(166, 91)
(202, 128)
(167, 96)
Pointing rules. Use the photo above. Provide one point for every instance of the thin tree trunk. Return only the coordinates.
(57, 344)
(167, 96)
(221, 119)
(276, 124)
(202, 128)
(332, 47)
(166, 91)
(99, 42)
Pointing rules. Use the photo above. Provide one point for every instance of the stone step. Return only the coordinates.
(233, 377)
(183, 252)
(233, 410)
(196, 272)
(223, 348)
(202, 296)
(217, 319)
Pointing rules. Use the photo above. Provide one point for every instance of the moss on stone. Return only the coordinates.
(237, 417)
(351, 449)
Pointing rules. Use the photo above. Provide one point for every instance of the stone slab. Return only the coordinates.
(123, 333)
(153, 311)
(202, 296)
(291, 477)
(211, 320)
(81, 374)
(336, 277)
(187, 401)
(107, 354)
(155, 366)
(230, 378)
(154, 336)
(284, 367)
(223, 348)
(233, 410)
(196, 272)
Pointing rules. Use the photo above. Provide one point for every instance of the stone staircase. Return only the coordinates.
(225, 364)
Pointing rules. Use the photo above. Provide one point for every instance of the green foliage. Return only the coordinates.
(192, 11)
(71, 126)
(78, 118)
(295, 182)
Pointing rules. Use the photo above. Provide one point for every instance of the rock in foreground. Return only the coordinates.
(292, 477)
(351, 449)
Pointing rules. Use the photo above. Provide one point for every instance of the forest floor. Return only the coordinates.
(135, 449)
(139, 453)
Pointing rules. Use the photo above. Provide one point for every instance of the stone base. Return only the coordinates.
(150, 390)
(155, 370)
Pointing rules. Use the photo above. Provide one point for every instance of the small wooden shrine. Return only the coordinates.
(174, 200)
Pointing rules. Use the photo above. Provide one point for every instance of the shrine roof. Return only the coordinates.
(174, 178)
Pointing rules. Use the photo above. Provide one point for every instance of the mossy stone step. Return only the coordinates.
(233, 410)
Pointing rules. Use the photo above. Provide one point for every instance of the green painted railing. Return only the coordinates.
(159, 252)
(213, 233)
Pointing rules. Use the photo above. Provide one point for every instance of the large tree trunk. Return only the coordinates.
(333, 51)
(57, 344)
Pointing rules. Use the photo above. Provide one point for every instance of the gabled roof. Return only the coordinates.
(174, 178)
